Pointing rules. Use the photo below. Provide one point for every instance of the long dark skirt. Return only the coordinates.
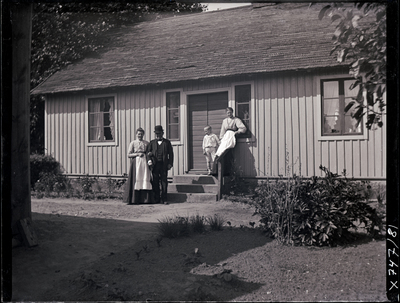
(131, 195)
(226, 161)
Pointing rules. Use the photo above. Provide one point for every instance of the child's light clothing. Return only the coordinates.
(210, 146)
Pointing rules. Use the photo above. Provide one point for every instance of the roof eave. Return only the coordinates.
(37, 91)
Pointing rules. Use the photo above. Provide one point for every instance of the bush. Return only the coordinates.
(41, 165)
(178, 226)
(86, 182)
(320, 211)
(46, 175)
(197, 224)
(113, 184)
(49, 182)
(216, 222)
(174, 227)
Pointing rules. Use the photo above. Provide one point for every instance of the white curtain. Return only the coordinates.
(97, 118)
(111, 102)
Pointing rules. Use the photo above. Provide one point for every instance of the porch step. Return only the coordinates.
(193, 188)
(195, 179)
(197, 172)
(191, 197)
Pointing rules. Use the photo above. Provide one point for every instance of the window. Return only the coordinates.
(242, 98)
(336, 95)
(173, 102)
(101, 119)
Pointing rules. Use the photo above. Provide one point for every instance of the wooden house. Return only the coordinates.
(271, 63)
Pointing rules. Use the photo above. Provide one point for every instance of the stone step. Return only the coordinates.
(194, 179)
(192, 188)
(197, 172)
(191, 197)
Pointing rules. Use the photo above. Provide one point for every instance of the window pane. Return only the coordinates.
(95, 120)
(353, 108)
(95, 134)
(242, 93)
(174, 116)
(101, 119)
(243, 98)
(94, 105)
(331, 124)
(243, 111)
(173, 100)
(173, 132)
(350, 125)
(173, 103)
(331, 89)
(331, 107)
(107, 121)
(108, 133)
(349, 92)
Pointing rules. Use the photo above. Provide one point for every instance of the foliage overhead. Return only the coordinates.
(360, 39)
(64, 32)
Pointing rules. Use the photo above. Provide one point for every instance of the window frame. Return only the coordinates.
(319, 129)
(87, 124)
(168, 116)
(252, 108)
(165, 117)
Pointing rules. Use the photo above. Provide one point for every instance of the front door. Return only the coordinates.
(204, 109)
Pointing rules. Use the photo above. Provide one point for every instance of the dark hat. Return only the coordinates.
(158, 129)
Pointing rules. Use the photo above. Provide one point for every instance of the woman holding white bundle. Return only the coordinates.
(139, 188)
(231, 126)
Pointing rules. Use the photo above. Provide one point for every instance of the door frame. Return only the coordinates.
(185, 98)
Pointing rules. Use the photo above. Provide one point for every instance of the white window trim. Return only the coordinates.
(115, 142)
(320, 136)
(252, 109)
(181, 115)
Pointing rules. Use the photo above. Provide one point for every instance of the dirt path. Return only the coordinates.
(106, 250)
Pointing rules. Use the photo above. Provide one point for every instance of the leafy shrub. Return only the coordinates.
(320, 211)
(49, 182)
(113, 184)
(275, 202)
(46, 175)
(237, 186)
(41, 165)
(86, 182)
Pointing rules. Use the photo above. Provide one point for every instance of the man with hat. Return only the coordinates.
(160, 156)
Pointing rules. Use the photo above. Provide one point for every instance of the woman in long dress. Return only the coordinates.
(139, 187)
(231, 126)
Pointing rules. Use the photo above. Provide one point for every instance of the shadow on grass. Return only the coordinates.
(93, 259)
(360, 238)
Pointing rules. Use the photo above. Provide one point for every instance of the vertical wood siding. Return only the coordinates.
(286, 134)
(286, 138)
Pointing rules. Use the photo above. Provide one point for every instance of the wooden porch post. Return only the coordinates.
(21, 17)
(220, 178)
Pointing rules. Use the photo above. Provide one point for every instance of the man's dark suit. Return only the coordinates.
(160, 168)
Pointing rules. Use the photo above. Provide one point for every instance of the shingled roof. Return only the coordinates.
(244, 40)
